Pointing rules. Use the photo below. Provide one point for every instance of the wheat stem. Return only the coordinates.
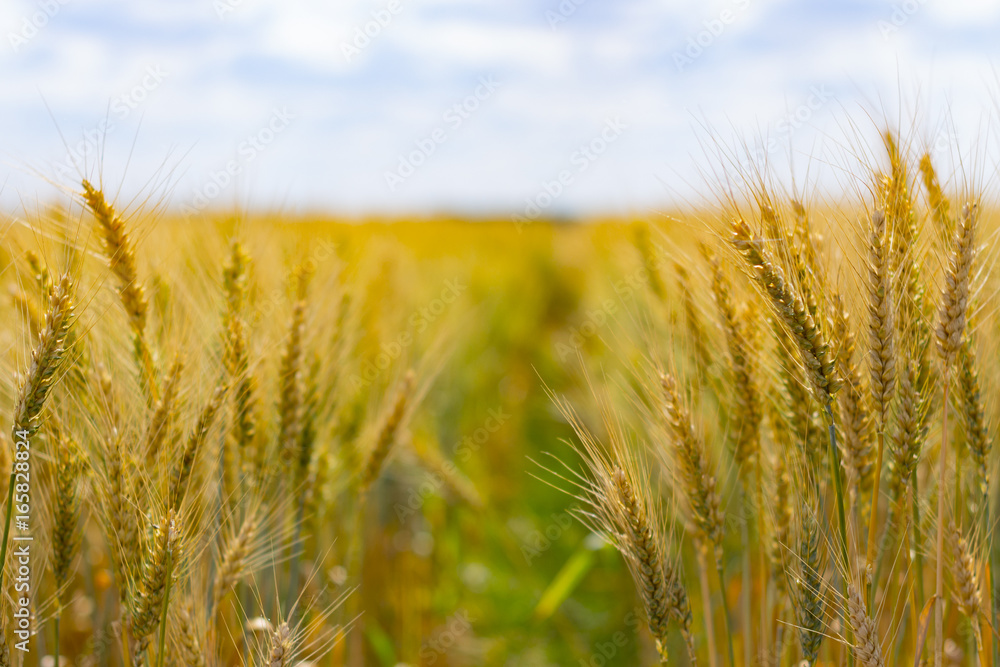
(939, 574)
(706, 598)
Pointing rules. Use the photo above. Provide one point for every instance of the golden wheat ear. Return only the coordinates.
(965, 568)
(807, 585)
(387, 433)
(234, 561)
(120, 252)
(189, 636)
(162, 553)
(45, 360)
(867, 649)
(746, 413)
(280, 647)
(180, 475)
(696, 475)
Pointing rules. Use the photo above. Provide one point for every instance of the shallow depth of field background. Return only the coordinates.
(482, 169)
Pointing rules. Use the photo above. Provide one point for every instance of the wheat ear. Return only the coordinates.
(35, 386)
(949, 333)
(279, 648)
(866, 647)
(45, 360)
(183, 468)
(163, 550)
(967, 593)
(189, 641)
(119, 250)
(237, 358)
(698, 481)
(387, 433)
(164, 413)
(233, 563)
(881, 355)
(973, 413)
(808, 587)
(855, 419)
(747, 414)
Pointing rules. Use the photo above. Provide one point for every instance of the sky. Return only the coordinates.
(516, 107)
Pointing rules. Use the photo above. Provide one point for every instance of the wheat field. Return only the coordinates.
(754, 433)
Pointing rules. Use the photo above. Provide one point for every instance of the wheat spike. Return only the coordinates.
(45, 360)
(189, 643)
(692, 318)
(181, 473)
(290, 389)
(279, 650)
(940, 206)
(662, 594)
(387, 433)
(162, 554)
(164, 413)
(855, 418)
(66, 513)
(121, 255)
(808, 588)
(963, 571)
(866, 644)
(233, 563)
(696, 476)
(746, 400)
(792, 311)
(955, 295)
(119, 250)
(973, 412)
(881, 322)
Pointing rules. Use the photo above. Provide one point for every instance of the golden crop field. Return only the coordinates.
(757, 433)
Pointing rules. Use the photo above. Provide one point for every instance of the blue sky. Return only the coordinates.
(605, 105)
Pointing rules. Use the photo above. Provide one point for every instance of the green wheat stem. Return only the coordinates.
(725, 613)
(838, 488)
(161, 653)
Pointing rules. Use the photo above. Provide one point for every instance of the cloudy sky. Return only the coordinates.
(468, 105)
